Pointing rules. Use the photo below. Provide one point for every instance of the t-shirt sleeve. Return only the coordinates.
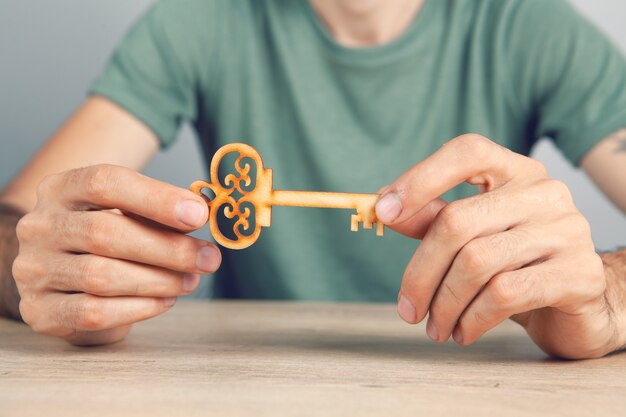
(157, 70)
(570, 75)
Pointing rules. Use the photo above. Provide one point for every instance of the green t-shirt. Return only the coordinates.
(330, 118)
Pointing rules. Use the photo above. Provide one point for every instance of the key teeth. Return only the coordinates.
(380, 229)
(356, 220)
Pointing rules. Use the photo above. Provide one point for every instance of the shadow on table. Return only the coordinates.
(291, 341)
(388, 347)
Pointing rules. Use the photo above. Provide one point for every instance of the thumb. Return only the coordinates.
(416, 226)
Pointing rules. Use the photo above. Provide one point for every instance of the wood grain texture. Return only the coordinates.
(304, 359)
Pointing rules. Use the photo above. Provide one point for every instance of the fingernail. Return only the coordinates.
(388, 208)
(190, 212)
(190, 282)
(208, 259)
(457, 336)
(406, 310)
(169, 301)
(431, 331)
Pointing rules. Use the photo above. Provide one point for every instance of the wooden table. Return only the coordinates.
(288, 359)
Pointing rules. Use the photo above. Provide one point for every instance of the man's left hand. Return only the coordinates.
(519, 249)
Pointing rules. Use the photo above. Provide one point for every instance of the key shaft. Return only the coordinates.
(363, 204)
(323, 199)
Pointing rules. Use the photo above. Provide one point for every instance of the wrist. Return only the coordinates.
(9, 246)
(615, 294)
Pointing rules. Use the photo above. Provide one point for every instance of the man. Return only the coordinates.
(348, 95)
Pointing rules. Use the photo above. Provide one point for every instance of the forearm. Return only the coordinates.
(9, 297)
(615, 267)
(605, 165)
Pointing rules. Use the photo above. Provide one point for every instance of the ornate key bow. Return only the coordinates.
(262, 197)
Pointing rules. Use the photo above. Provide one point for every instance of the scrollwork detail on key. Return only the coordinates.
(234, 208)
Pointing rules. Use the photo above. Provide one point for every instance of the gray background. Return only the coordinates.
(50, 51)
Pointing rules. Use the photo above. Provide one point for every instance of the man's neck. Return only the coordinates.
(362, 23)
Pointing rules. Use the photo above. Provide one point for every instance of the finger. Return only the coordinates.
(108, 186)
(99, 337)
(454, 226)
(560, 283)
(417, 225)
(98, 275)
(148, 222)
(64, 315)
(115, 236)
(480, 260)
(469, 158)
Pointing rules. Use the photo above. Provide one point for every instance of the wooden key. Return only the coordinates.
(263, 197)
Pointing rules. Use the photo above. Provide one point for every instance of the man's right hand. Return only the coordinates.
(104, 248)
